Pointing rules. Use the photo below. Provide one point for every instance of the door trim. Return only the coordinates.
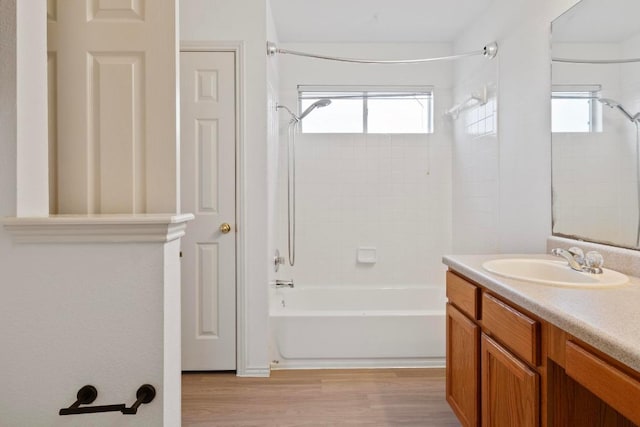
(241, 301)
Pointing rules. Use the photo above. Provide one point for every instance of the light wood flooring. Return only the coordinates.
(366, 397)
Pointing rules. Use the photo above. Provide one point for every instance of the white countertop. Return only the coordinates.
(606, 318)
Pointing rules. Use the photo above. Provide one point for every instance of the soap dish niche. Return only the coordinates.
(367, 255)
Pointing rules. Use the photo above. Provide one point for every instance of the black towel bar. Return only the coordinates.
(88, 394)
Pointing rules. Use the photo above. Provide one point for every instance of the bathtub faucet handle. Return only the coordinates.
(284, 283)
(277, 260)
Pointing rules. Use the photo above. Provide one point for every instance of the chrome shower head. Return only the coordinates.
(323, 102)
(318, 104)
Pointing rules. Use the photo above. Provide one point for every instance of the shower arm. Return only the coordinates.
(294, 118)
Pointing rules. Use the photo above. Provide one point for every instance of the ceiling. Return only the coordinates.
(375, 21)
(598, 21)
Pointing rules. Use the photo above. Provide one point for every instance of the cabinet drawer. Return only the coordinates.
(515, 330)
(463, 295)
(615, 387)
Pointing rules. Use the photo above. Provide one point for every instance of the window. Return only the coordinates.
(397, 109)
(575, 109)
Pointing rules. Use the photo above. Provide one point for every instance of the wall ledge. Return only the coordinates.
(99, 228)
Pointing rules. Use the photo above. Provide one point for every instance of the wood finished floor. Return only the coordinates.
(367, 397)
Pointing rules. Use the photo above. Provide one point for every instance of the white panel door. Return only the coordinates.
(208, 128)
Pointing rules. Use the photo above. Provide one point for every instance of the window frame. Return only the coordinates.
(582, 92)
(362, 92)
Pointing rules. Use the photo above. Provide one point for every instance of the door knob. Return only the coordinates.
(225, 228)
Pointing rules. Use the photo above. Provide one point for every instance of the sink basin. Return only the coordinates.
(551, 272)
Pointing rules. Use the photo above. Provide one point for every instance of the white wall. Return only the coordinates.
(70, 320)
(523, 205)
(246, 21)
(392, 192)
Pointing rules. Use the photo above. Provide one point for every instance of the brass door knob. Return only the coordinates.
(225, 228)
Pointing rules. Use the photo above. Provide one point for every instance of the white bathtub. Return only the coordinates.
(325, 327)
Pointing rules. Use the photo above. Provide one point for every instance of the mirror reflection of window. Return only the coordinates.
(575, 112)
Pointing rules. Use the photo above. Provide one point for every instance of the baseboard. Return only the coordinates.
(357, 363)
(254, 372)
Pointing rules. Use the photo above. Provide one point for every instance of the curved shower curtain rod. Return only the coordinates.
(595, 61)
(490, 51)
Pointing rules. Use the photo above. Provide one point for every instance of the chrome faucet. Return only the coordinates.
(284, 283)
(573, 257)
(577, 260)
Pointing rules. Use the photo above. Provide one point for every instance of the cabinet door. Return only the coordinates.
(462, 366)
(510, 389)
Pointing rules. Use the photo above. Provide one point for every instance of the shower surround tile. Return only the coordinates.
(391, 192)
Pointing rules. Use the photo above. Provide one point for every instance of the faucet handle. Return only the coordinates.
(594, 259)
(577, 254)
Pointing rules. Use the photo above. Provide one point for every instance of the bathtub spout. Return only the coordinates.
(283, 283)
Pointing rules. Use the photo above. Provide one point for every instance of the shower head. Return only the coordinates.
(615, 104)
(294, 119)
(318, 104)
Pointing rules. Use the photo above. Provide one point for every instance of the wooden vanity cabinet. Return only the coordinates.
(487, 382)
(505, 367)
(462, 366)
(463, 350)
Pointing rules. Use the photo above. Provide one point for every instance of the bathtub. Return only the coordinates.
(357, 327)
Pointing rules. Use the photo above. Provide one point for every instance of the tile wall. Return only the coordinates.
(388, 192)
(476, 161)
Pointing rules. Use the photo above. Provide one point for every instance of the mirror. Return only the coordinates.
(595, 105)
